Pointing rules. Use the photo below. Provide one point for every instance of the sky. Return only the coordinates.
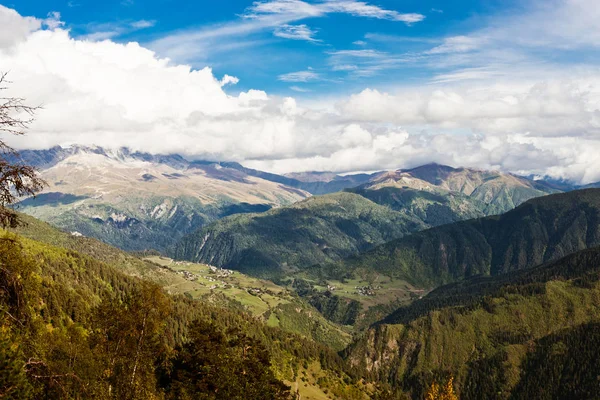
(297, 85)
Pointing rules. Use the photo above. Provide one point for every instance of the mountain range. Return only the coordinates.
(482, 283)
(306, 233)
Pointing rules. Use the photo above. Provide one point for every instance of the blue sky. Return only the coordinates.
(335, 52)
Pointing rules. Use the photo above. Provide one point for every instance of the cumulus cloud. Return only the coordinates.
(14, 28)
(113, 94)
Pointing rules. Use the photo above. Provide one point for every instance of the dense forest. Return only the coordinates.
(81, 319)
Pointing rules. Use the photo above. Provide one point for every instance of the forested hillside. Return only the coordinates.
(538, 231)
(523, 335)
(336, 226)
(75, 327)
(317, 230)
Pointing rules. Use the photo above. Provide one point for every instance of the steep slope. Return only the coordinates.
(538, 231)
(510, 336)
(139, 201)
(317, 230)
(73, 326)
(500, 192)
(265, 300)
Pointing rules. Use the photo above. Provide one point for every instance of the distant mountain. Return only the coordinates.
(500, 191)
(541, 230)
(527, 334)
(425, 197)
(316, 183)
(592, 186)
(139, 201)
(320, 229)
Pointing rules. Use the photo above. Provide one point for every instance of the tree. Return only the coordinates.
(442, 392)
(16, 179)
(222, 365)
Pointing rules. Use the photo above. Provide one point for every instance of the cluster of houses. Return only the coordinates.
(366, 290)
(220, 272)
(188, 275)
(215, 275)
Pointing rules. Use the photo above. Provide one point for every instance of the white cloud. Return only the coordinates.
(368, 53)
(14, 28)
(53, 20)
(113, 94)
(300, 76)
(301, 9)
(105, 31)
(229, 80)
(143, 24)
(300, 89)
(458, 44)
(295, 32)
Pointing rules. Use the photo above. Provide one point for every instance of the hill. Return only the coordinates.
(512, 336)
(541, 230)
(273, 304)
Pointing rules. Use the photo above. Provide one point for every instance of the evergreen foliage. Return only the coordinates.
(72, 326)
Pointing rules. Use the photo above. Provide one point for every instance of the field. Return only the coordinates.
(201, 281)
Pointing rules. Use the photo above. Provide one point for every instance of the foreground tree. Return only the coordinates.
(442, 392)
(16, 179)
(222, 365)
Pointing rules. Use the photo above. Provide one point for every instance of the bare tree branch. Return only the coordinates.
(16, 179)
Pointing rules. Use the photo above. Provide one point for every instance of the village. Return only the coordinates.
(215, 274)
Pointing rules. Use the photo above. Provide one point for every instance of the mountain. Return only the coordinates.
(139, 201)
(541, 230)
(316, 183)
(526, 334)
(595, 185)
(320, 229)
(433, 208)
(312, 232)
(500, 191)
